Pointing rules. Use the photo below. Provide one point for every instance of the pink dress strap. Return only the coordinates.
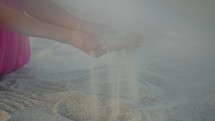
(14, 48)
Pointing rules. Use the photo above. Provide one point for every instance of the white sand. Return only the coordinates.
(175, 84)
(177, 68)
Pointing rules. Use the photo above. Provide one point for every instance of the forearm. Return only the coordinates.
(18, 22)
(49, 12)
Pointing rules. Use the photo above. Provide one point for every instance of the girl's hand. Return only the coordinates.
(87, 44)
(84, 39)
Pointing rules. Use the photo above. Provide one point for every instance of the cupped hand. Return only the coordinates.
(87, 44)
(95, 48)
(85, 39)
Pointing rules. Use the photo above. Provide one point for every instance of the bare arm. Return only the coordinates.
(49, 12)
(16, 21)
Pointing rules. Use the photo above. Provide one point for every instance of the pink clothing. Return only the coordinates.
(14, 48)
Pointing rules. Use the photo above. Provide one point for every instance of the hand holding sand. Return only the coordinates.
(98, 46)
(87, 44)
(97, 38)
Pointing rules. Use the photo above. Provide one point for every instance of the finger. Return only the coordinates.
(98, 50)
(97, 54)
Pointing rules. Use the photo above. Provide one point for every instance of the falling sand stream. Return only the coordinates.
(122, 76)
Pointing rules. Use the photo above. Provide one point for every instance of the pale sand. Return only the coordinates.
(29, 98)
(176, 71)
(169, 91)
(78, 107)
(4, 116)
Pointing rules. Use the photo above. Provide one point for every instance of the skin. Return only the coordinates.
(45, 19)
(47, 11)
(40, 22)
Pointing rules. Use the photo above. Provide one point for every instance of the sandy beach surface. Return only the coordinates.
(176, 79)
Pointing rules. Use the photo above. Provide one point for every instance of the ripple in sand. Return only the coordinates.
(17, 97)
(78, 106)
